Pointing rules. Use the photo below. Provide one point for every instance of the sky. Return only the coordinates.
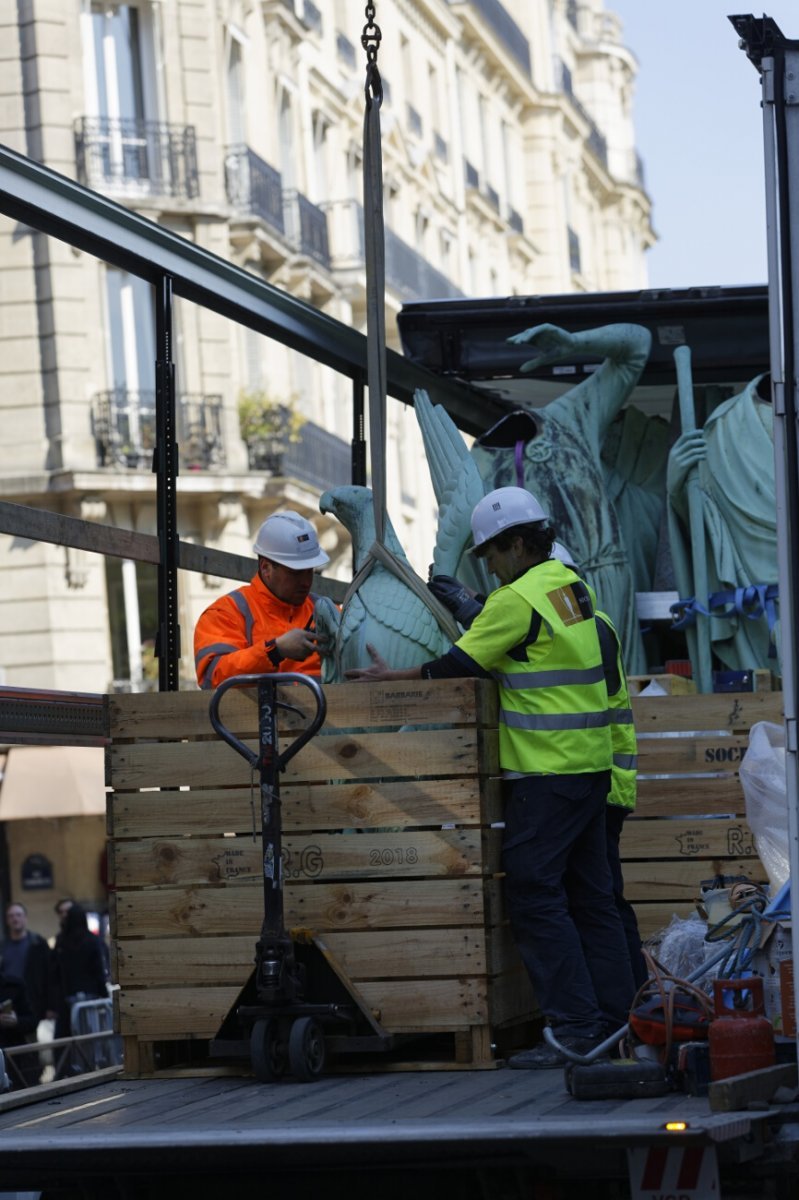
(700, 133)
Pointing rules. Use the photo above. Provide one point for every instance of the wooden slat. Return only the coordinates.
(405, 1006)
(192, 912)
(334, 758)
(176, 715)
(390, 954)
(733, 711)
(687, 839)
(323, 856)
(672, 880)
(342, 806)
(691, 753)
(681, 796)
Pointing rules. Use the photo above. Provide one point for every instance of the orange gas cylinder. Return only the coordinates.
(741, 1037)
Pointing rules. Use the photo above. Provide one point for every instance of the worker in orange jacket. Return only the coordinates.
(268, 624)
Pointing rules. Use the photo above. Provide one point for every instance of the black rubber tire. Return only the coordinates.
(267, 1051)
(307, 1049)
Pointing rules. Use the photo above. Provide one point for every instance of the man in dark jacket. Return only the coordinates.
(17, 1023)
(25, 958)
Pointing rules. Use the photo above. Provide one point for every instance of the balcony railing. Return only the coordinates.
(319, 458)
(497, 17)
(414, 121)
(311, 17)
(574, 250)
(407, 272)
(253, 187)
(492, 196)
(306, 227)
(595, 140)
(515, 221)
(138, 157)
(124, 430)
(346, 50)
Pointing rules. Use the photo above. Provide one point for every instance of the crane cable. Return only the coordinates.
(375, 260)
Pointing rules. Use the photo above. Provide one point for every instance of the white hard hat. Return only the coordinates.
(560, 552)
(502, 509)
(288, 539)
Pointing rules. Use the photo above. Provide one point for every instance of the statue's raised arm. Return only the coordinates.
(622, 349)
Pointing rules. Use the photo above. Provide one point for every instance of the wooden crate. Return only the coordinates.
(673, 685)
(389, 853)
(690, 821)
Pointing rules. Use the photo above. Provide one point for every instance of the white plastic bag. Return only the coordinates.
(762, 775)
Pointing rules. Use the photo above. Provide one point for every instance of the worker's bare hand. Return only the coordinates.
(549, 341)
(378, 670)
(296, 643)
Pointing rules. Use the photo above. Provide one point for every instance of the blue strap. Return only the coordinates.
(753, 602)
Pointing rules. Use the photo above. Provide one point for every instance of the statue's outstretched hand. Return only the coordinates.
(687, 451)
(550, 341)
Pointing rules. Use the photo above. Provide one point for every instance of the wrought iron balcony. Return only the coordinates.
(595, 140)
(124, 430)
(574, 250)
(410, 274)
(311, 17)
(319, 458)
(415, 125)
(253, 187)
(515, 221)
(502, 24)
(346, 50)
(137, 157)
(492, 196)
(306, 227)
(407, 272)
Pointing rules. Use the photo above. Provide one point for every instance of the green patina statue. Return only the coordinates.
(733, 457)
(555, 452)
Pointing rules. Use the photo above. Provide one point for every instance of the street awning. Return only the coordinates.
(52, 781)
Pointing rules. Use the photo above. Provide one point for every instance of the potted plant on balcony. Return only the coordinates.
(268, 425)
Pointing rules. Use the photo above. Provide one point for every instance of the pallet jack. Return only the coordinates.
(298, 1003)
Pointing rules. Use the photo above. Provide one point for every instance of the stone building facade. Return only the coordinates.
(509, 168)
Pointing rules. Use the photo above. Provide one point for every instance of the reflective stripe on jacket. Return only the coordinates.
(554, 716)
(231, 635)
(624, 772)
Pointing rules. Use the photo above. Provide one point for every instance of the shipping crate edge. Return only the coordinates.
(389, 852)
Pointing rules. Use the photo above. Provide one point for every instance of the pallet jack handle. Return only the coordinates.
(280, 677)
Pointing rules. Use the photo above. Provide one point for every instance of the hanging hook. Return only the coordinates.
(370, 40)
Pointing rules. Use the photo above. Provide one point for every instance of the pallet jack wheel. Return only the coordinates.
(307, 1050)
(267, 1051)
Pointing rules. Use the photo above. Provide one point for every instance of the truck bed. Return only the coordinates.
(373, 1131)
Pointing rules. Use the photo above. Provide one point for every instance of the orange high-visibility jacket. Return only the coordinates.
(231, 635)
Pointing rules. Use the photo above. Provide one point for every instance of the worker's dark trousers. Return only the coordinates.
(614, 822)
(560, 902)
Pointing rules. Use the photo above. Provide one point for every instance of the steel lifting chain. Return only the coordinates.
(370, 40)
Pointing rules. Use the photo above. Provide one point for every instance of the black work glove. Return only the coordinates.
(460, 600)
